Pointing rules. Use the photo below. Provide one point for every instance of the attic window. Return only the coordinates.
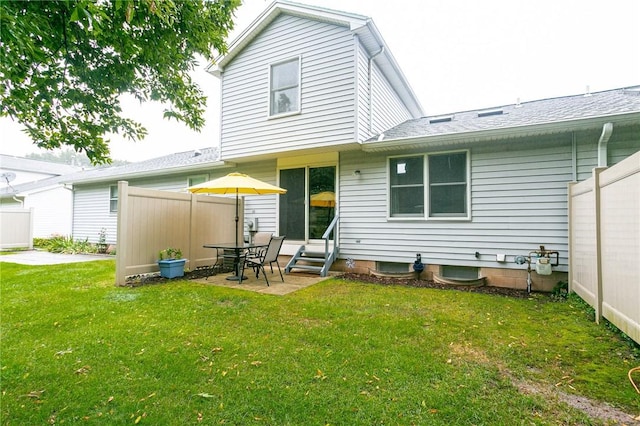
(442, 119)
(490, 112)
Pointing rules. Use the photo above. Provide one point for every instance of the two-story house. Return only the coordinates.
(313, 101)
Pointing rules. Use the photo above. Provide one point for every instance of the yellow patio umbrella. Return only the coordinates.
(236, 183)
(323, 199)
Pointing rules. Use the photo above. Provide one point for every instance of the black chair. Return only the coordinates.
(267, 257)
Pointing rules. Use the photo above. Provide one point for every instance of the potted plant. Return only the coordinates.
(171, 263)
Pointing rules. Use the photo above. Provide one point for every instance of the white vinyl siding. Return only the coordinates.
(327, 90)
(363, 95)
(379, 107)
(519, 201)
(386, 107)
(91, 214)
(52, 212)
(624, 142)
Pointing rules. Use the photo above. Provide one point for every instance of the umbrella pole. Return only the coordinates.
(237, 218)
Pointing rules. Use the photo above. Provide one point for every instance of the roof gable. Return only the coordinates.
(361, 26)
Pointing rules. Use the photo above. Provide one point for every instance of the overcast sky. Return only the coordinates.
(456, 54)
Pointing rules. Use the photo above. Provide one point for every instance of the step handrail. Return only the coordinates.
(330, 257)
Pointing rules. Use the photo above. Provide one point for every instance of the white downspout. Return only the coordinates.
(371, 88)
(607, 129)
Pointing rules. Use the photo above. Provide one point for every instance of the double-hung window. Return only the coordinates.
(448, 185)
(284, 90)
(407, 186)
(433, 186)
(113, 198)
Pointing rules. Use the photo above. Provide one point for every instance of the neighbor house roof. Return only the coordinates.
(28, 188)
(9, 162)
(169, 164)
(591, 110)
(359, 25)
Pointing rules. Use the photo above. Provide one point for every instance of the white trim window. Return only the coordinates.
(284, 87)
(438, 181)
(406, 179)
(113, 198)
(196, 180)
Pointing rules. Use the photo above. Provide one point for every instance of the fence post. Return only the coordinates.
(570, 232)
(121, 248)
(596, 208)
(193, 239)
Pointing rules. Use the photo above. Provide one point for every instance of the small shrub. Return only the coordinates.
(67, 245)
(170, 253)
(560, 290)
(102, 245)
(40, 242)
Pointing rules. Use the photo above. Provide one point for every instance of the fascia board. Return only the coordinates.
(501, 133)
(151, 173)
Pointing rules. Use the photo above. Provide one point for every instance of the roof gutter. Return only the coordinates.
(499, 133)
(150, 173)
(607, 129)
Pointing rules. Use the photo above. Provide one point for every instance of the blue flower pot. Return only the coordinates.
(172, 268)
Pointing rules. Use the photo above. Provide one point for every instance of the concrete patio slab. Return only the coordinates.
(38, 257)
(293, 281)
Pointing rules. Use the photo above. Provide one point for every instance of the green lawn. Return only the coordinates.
(77, 349)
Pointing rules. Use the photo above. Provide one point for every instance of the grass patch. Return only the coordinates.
(77, 349)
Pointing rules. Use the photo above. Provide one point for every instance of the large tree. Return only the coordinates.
(65, 63)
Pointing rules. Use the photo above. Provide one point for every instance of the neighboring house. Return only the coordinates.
(27, 170)
(95, 192)
(313, 101)
(37, 185)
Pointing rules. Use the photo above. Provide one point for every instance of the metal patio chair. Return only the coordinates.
(267, 257)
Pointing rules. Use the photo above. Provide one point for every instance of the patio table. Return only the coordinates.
(239, 251)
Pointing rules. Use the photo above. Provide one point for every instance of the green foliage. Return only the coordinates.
(66, 244)
(561, 290)
(65, 63)
(170, 253)
(77, 349)
(40, 242)
(102, 245)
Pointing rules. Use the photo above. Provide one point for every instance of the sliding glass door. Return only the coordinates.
(308, 207)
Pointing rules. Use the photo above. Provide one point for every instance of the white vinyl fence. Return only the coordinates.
(604, 243)
(151, 220)
(16, 229)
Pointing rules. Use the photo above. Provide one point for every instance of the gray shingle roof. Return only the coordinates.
(546, 111)
(173, 163)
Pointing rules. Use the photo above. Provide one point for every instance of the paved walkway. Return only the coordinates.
(38, 257)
